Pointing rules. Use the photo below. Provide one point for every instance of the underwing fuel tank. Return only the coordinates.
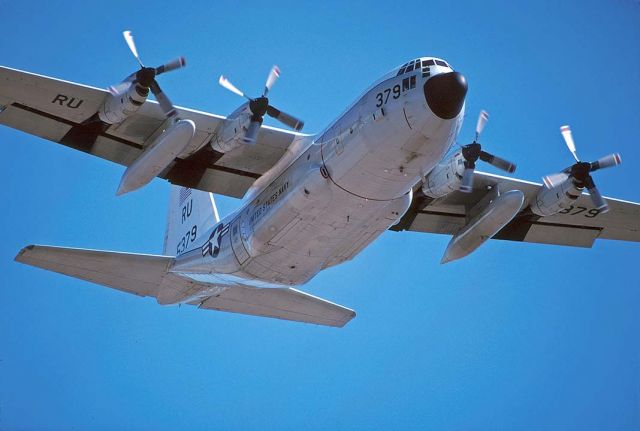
(157, 156)
(483, 226)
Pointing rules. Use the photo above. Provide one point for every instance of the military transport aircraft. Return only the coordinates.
(309, 201)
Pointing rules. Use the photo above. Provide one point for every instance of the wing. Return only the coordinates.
(58, 111)
(147, 275)
(579, 227)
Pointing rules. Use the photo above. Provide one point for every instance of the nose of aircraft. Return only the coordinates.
(445, 94)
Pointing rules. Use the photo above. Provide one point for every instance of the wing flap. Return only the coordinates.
(24, 120)
(545, 233)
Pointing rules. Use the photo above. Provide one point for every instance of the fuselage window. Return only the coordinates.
(428, 63)
(441, 63)
(410, 67)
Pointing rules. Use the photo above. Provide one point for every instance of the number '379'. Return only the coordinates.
(383, 97)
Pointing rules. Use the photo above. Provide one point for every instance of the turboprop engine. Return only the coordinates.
(243, 125)
(231, 133)
(566, 186)
(126, 99)
(445, 178)
(128, 96)
(456, 173)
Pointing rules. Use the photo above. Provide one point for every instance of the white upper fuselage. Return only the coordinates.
(333, 193)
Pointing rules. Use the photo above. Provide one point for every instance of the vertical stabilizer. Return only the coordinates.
(191, 213)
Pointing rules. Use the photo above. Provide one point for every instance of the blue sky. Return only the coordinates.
(516, 336)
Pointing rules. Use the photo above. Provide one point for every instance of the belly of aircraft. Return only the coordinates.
(325, 237)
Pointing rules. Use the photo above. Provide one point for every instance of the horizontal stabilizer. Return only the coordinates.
(282, 303)
(140, 274)
(148, 275)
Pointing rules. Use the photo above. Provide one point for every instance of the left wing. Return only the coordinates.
(580, 226)
(59, 111)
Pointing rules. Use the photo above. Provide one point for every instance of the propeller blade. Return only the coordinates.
(596, 197)
(172, 65)
(606, 162)
(568, 139)
(163, 100)
(466, 186)
(119, 88)
(252, 132)
(554, 180)
(285, 118)
(482, 121)
(128, 37)
(274, 74)
(496, 161)
(229, 86)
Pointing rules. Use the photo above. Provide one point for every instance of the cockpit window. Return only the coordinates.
(402, 69)
(421, 64)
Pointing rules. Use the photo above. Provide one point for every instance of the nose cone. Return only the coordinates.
(445, 94)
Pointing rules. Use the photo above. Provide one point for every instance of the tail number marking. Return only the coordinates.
(187, 239)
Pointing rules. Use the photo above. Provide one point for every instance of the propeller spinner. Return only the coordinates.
(146, 77)
(472, 152)
(260, 106)
(580, 172)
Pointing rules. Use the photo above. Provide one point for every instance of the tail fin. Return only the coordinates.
(191, 213)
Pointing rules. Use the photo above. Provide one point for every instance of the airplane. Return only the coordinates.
(309, 201)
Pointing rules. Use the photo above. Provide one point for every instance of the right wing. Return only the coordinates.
(578, 226)
(147, 275)
(59, 111)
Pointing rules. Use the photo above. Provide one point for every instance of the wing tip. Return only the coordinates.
(348, 317)
(21, 254)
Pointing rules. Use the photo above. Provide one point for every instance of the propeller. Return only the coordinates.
(146, 77)
(472, 152)
(260, 106)
(581, 171)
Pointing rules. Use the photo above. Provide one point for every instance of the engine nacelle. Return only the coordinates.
(445, 177)
(231, 132)
(550, 201)
(118, 106)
